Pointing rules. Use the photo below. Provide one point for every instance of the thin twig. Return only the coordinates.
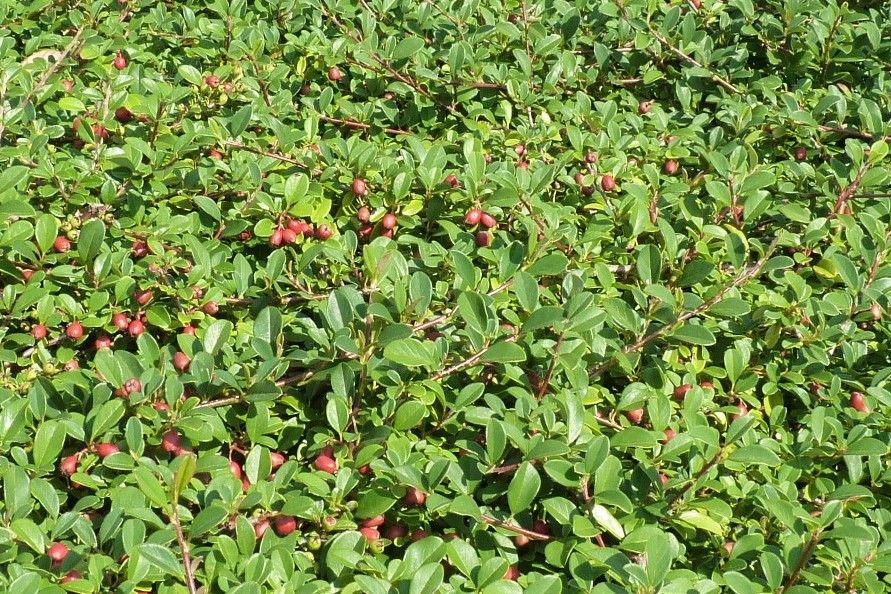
(695, 479)
(845, 195)
(546, 382)
(507, 468)
(469, 362)
(353, 124)
(272, 155)
(493, 521)
(691, 60)
(750, 273)
(805, 556)
(183, 547)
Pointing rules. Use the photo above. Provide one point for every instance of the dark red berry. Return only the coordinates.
(334, 74)
(608, 183)
(120, 61)
(171, 442)
(181, 361)
(389, 221)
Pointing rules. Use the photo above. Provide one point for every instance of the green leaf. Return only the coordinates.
(11, 176)
(45, 231)
(472, 309)
(523, 488)
(217, 335)
(90, 239)
(755, 454)
(694, 334)
(268, 325)
(29, 533)
(407, 48)
(162, 558)
(410, 352)
(240, 120)
(606, 520)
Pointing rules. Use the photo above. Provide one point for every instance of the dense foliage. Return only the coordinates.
(445, 296)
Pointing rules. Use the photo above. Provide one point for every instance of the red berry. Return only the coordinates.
(189, 329)
(365, 231)
(68, 466)
(103, 450)
(57, 552)
(61, 244)
(210, 308)
(74, 330)
(70, 577)
(120, 321)
(395, 531)
(161, 406)
(669, 435)
(334, 74)
(235, 469)
(123, 115)
(389, 221)
(512, 573)
(359, 187)
(635, 416)
(323, 232)
(706, 385)
(100, 131)
(245, 235)
(288, 235)
(364, 469)
(212, 81)
(363, 214)
(858, 402)
(132, 386)
(682, 390)
(72, 365)
(452, 180)
(284, 525)
(419, 534)
(488, 221)
(414, 496)
(741, 410)
(276, 459)
(135, 328)
(26, 274)
(143, 297)
(120, 61)
(644, 107)
(38, 331)
(277, 238)
(473, 216)
(215, 154)
(801, 154)
(876, 310)
(371, 534)
(103, 342)
(663, 478)
(520, 149)
(171, 442)
(374, 522)
(139, 249)
(671, 167)
(697, 4)
(326, 464)
(260, 527)
(523, 164)
(181, 361)
(483, 238)
(608, 183)
(590, 157)
(521, 540)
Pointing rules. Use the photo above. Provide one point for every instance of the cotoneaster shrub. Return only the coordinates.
(415, 297)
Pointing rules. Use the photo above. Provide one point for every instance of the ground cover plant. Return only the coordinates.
(445, 296)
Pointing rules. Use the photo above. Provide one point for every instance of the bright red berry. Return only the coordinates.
(360, 188)
(143, 297)
(371, 534)
(210, 308)
(488, 221)
(277, 238)
(671, 167)
(682, 390)
(334, 74)
(512, 573)
(608, 183)
(858, 402)
(363, 214)
(261, 527)
(325, 464)
(284, 525)
(132, 386)
(120, 321)
(103, 450)
(61, 244)
(276, 459)
(103, 342)
(68, 466)
(473, 217)
(323, 232)
(57, 552)
(189, 329)
(38, 331)
(414, 496)
(120, 61)
(140, 249)
(389, 221)
(635, 416)
(181, 361)
(135, 328)
(74, 330)
(374, 522)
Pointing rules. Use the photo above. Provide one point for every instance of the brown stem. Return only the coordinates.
(507, 468)
(184, 548)
(272, 155)
(845, 195)
(546, 382)
(802, 561)
(469, 362)
(493, 521)
(747, 275)
(691, 60)
(221, 402)
(695, 479)
(354, 125)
